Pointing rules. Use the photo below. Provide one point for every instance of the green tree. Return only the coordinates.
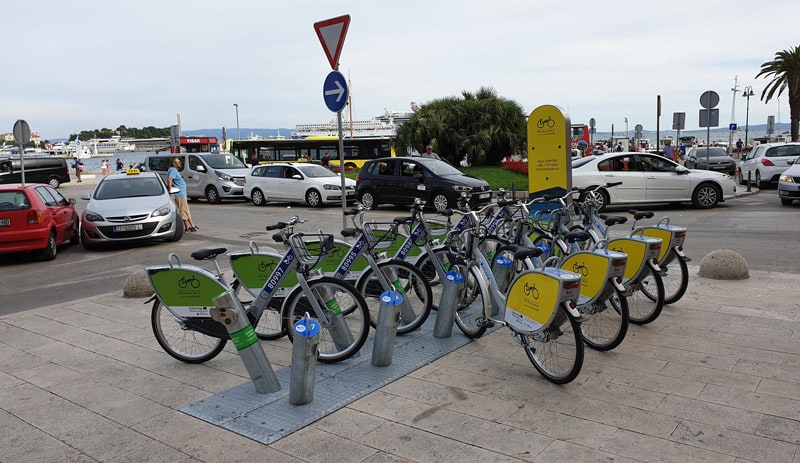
(481, 126)
(785, 73)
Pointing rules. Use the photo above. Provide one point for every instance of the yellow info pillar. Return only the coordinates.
(549, 153)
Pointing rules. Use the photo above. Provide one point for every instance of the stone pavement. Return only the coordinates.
(715, 379)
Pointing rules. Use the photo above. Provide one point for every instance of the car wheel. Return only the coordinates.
(212, 195)
(706, 196)
(53, 182)
(178, 229)
(759, 183)
(76, 235)
(313, 198)
(368, 200)
(257, 196)
(786, 202)
(741, 177)
(440, 201)
(49, 253)
(601, 200)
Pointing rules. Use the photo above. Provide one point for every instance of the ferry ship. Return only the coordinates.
(383, 125)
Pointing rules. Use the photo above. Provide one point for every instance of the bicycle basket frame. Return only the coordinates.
(300, 249)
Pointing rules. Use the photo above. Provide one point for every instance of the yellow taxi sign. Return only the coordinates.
(132, 171)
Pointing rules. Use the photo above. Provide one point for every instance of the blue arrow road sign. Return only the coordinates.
(335, 91)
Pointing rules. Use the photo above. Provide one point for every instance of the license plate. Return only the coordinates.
(484, 195)
(127, 228)
(5, 222)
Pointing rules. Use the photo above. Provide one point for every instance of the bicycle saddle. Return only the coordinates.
(204, 254)
(348, 232)
(576, 235)
(613, 219)
(522, 252)
(402, 220)
(639, 215)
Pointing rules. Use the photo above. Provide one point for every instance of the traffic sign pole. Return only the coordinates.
(22, 135)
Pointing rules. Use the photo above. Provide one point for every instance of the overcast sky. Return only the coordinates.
(76, 65)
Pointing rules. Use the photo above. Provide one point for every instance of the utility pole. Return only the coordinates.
(733, 111)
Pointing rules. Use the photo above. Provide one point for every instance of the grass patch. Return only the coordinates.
(499, 178)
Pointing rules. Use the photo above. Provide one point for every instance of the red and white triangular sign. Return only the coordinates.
(331, 34)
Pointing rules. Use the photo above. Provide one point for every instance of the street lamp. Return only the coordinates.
(748, 92)
(238, 134)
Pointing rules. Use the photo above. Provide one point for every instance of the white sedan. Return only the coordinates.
(650, 178)
(296, 182)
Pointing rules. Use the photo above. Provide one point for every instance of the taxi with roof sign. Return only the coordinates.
(130, 206)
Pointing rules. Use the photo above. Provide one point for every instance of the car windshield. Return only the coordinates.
(128, 187)
(315, 171)
(710, 152)
(223, 161)
(440, 167)
(13, 201)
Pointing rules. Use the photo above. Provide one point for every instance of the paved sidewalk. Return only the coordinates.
(716, 379)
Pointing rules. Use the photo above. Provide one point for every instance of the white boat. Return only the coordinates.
(384, 125)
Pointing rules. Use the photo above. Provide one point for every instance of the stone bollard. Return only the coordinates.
(229, 311)
(446, 315)
(724, 264)
(304, 360)
(137, 285)
(386, 329)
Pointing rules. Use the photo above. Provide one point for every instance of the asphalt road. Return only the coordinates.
(758, 227)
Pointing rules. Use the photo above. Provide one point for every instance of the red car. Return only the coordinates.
(36, 217)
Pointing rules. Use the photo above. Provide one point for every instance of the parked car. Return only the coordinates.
(765, 163)
(211, 176)
(651, 178)
(36, 217)
(38, 169)
(130, 206)
(400, 180)
(710, 158)
(296, 182)
(789, 184)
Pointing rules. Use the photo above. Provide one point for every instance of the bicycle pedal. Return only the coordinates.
(486, 322)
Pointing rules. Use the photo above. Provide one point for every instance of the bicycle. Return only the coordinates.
(547, 328)
(188, 333)
(644, 287)
(549, 122)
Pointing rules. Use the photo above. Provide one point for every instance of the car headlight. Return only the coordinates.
(328, 186)
(223, 176)
(787, 178)
(93, 216)
(161, 211)
(462, 188)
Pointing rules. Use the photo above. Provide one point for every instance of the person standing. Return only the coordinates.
(104, 167)
(174, 179)
(429, 153)
(120, 165)
(669, 150)
(326, 160)
(78, 165)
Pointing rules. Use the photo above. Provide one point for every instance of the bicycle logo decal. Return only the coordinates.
(266, 266)
(193, 282)
(530, 290)
(580, 268)
(549, 122)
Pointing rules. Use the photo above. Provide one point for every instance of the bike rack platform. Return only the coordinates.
(267, 418)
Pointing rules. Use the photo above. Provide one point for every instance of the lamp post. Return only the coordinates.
(238, 134)
(748, 92)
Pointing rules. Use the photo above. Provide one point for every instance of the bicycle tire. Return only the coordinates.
(647, 299)
(269, 327)
(185, 345)
(675, 282)
(356, 317)
(415, 288)
(604, 324)
(425, 264)
(557, 351)
(471, 304)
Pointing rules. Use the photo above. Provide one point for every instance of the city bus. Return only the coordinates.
(357, 150)
(580, 132)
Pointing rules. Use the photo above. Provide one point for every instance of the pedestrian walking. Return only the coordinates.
(174, 179)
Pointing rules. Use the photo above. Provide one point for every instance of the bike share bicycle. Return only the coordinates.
(546, 327)
(186, 331)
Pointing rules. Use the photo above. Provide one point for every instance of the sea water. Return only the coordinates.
(93, 164)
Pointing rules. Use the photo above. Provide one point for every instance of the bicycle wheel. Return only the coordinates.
(413, 286)
(341, 336)
(269, 326)
(647, 299)
(472, 303)
(604, 322)
(675, 273)
(181, 343)
(557, 351)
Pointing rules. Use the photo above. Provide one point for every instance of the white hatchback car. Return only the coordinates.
(296, 182)
(766, 162)
(650, 178)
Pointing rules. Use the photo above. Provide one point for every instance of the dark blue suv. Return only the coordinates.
(400, 180)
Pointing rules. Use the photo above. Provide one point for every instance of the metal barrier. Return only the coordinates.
(304, 360)
(386, 329)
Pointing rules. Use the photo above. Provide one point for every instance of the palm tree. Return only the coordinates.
(785, 73)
